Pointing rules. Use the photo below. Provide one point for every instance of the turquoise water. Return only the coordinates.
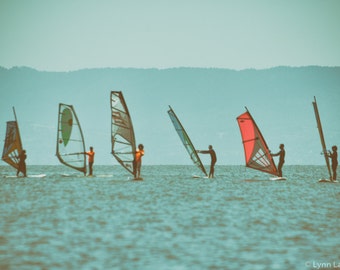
(239, 220)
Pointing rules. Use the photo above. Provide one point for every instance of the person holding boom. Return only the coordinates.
(212, 153)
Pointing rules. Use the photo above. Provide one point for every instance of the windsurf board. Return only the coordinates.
(278, 178)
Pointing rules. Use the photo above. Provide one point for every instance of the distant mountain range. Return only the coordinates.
(207, 101)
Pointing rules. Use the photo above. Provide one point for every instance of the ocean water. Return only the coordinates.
(239, 220)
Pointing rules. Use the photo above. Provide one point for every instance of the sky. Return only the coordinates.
(65, 35)
(70, 35)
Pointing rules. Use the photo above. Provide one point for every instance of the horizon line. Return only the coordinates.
(164, 68)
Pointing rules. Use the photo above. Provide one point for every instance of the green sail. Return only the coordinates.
(66, 125)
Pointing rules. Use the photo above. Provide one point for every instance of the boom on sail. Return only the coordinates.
(256, 151)
(322, 138)
(13, 145)
(123, 144)
(186, 140)
(70, 140)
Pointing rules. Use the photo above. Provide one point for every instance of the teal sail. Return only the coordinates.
(123, 144)
(186, 140)
(70, 140)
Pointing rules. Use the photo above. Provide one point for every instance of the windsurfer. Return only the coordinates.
(212, 153)
(282, 154)
(334, 157)
(22, 163)
(138, 161)
(91, 160)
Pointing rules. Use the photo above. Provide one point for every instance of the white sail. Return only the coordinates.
(70, 139)
(123, 145)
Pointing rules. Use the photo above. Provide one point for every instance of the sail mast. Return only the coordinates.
(322, 138)
(186, 140)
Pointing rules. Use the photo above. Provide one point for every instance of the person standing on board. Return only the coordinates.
(282, 154)
(91, 160)
(22, 163)
(138, 161)
(212, 153)
(334, 157)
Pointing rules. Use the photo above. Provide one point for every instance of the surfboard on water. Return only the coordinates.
(328, 181)
(256, 152)
(28, 176)
(73, 175)
(123, 142)
(82, 176)
(70, 148)
(198, 176)
(277, 178)
(37, 175)
(323, 143)
(186, 141)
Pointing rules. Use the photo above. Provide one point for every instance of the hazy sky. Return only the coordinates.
(67, 35)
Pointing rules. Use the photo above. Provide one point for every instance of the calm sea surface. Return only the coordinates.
(239, 220)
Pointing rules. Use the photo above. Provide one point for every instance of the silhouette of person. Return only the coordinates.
(22, 163)
(282, 154)
(212, 153)
(334, 157)
(91, 160)
(138, 161)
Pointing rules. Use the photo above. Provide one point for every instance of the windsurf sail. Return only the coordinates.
(256, 151)
(123, 144)
(186, 140)
(70, 139)
(322, 138)
(13, 145)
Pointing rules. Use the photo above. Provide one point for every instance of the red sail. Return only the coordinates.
(255, 148)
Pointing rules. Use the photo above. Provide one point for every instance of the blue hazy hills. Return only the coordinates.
(206, 100)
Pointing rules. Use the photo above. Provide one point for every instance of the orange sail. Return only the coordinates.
(13, 145)
(256, 151)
